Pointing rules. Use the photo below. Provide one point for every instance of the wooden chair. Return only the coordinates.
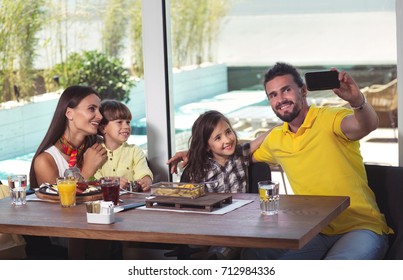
(387, 184)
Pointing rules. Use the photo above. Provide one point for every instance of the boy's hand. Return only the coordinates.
(145, 183)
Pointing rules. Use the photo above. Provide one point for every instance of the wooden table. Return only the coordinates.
(300, 218)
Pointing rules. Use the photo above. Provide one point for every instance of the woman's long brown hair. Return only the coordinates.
(70, 98)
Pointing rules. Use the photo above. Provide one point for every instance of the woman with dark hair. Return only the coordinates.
(71, 138)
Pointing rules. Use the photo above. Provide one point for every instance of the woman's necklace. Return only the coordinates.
(69, 150)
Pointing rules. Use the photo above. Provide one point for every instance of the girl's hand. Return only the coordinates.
(180, 156)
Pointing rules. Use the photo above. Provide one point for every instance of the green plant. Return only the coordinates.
(115, 25)
(195, 26)
(124, 18)
(20, 22)
(93, 68)
(136, 38)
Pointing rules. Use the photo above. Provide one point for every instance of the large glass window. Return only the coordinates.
(356, 36)
(67, 42)
(220, 49)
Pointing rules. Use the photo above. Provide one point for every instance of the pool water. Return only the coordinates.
(18, 165)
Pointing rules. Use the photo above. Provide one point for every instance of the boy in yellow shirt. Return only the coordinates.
(124, 160)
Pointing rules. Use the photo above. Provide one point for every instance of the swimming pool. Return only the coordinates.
(17, 165)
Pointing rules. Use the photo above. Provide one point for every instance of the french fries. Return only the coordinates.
(177, 189)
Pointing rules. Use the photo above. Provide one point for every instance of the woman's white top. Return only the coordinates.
(61, 162)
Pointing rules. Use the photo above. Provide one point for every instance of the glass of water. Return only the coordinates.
(18, 185)
(269, 197)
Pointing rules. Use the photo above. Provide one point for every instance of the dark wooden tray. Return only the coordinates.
(79, 197)
(204, 203)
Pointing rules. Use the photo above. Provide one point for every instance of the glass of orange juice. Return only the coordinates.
(66, 186)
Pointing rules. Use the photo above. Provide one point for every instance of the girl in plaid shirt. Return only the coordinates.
(216, 156)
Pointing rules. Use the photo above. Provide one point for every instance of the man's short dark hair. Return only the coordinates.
(281, 69)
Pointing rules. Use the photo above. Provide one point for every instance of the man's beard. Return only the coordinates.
(288, 117)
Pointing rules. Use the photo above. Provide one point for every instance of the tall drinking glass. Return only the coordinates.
(18, 185)
(66, 187)
(110, 187)
(269, 197)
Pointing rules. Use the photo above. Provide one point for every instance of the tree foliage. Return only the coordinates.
(194, 28)
(115, 26)
(136, 46)
(20, 22)
(195, 25)
(93, 68)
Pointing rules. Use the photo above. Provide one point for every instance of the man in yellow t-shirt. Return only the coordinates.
(318, 149)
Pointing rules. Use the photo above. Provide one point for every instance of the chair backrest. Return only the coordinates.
(4, 191)
(258, 171)
(387, 184)
(383, 98)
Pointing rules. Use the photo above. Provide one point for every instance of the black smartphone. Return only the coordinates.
(322, 80)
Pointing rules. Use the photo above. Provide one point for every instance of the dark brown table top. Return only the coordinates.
(300, 218)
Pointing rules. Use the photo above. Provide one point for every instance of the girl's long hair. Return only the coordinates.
(70, 98)
(199, 151)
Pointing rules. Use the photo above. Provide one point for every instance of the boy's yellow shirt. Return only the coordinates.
(127, 161)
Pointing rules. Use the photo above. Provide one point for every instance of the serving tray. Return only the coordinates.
(42, 194)
(204, 203)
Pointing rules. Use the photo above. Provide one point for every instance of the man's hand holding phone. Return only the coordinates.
(340, 82)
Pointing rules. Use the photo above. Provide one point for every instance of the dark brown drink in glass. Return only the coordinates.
(110, 187)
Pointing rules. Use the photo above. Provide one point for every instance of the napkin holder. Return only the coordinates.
(95, 218)
(100, 212)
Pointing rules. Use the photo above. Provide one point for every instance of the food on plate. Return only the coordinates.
(82, 188)
(87, 186)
